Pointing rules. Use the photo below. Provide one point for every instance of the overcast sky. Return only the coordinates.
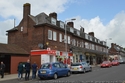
(106, 18)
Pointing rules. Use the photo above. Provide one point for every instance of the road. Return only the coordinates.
(115, 74)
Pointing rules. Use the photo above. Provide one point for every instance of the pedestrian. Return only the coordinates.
(2, 68)
(20, 70)
(27, 69)
(34, 70)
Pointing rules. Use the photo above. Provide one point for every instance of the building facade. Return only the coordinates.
(44, 35)
(117, 52)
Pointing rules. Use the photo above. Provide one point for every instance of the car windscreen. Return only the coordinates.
(45, 66)
(105, 62)
(75, 64)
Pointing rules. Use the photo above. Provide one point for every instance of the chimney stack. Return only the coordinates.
(91, 33)
(26, 10)
(71, 24)
(54, 15)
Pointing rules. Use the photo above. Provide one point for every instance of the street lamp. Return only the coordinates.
(66, 54)
(107, 47)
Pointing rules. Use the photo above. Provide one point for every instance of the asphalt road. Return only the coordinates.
(115, 74)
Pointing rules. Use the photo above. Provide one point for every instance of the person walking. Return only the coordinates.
(2, 68)
(34, 70)
(20, 70)
(27, 68)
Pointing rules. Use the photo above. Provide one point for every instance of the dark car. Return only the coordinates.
(53, 70)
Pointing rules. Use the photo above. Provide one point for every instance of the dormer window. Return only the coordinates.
(62, 24)
(21, 29)
(86, 36)
(90, 38)
(78, 33)
(71, 30)
(53, 21)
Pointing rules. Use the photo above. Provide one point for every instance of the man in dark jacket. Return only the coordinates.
(34, 70)
(20, 70)
(2, 68)
(27, 68)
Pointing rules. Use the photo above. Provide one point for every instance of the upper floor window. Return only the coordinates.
(74, 42)
(54, 36)
(86, 36)
(71, 30)
(60, 37)
(87, 45)
(53, 21)
(93, 48)
(90, 38)
(62, 24)
(78, 33)
(21, 28)
(50, 34)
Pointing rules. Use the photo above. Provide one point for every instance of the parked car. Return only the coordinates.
(121, 61)
(80, 67)
(53, 70)
(106, 64)
(115, 62)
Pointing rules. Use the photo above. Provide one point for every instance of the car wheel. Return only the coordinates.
(69, 73)
(84, 70)
(55, 76)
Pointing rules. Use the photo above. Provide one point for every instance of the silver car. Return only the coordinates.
(80, 67)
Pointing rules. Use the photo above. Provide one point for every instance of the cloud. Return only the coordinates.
(114, 29)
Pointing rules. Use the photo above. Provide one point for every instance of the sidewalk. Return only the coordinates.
(9, 77)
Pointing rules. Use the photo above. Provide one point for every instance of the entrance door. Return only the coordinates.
(6, 61)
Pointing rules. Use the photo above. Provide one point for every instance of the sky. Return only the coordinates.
(106, 18)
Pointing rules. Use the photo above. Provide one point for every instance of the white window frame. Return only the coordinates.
(71, 30)
(53, 21)
(86, 36)
(21, 29)
(50, 34)
(61, 24)
(54, 36)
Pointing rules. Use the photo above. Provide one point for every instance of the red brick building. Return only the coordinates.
(117, 52)
(37, 33)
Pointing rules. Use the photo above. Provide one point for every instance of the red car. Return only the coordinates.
(115, 62)
(106, 64)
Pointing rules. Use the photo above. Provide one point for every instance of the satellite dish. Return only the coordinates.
(40, 45)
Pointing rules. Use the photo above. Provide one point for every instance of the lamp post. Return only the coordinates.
(66, 54)
(107, 47)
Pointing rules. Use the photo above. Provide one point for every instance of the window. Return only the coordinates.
(77, 43)
(53, 21)
(54, 36)
(78, 33)
(93, 47)
(71, 30)
(56, 65)
(74, 42)
(90, 38)
(62, 24)
(86, 45)
(49, 34)
(60, 37)
(82, 44)
(86, 36)
(21, 28)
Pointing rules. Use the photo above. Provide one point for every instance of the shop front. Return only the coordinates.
(48, 55)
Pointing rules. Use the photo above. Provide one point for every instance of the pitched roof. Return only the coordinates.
(12, 49)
